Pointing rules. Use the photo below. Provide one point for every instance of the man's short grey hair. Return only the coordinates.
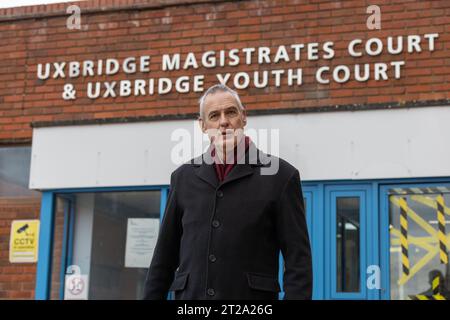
(218, 88)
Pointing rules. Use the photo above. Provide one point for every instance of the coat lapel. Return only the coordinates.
(207, 173)
(205, 168)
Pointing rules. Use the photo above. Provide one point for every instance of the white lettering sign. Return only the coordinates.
(300, 53)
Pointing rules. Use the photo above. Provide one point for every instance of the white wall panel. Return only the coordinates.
(323, 146)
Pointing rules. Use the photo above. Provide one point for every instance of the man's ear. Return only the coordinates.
(202, 125)
(244, 116)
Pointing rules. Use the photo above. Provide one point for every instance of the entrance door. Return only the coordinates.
(348, 242)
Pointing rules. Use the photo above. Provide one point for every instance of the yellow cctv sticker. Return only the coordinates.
(23, 244)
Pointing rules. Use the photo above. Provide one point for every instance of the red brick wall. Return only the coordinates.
(58, 235)
(200, 26)
(17, 281)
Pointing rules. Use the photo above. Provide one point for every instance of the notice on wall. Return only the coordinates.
(24, 240)
(142, 234)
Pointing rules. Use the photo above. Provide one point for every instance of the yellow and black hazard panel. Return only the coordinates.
(425, 297)
(435, 284)
(419, 243)
(437, 290)
(404, 234)
(441, 232)
(415, 191)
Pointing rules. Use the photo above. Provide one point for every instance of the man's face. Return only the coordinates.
(223, 120)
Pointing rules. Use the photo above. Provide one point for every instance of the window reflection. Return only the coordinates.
(114, 234)
(348, 244)
(15, 172)
(417, 271)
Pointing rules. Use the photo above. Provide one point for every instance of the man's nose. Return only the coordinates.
(224, 122)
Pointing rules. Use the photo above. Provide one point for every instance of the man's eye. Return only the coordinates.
(231, 112)
(213, 117)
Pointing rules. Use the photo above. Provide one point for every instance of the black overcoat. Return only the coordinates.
(222, 240)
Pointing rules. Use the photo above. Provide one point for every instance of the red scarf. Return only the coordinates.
(223, 169)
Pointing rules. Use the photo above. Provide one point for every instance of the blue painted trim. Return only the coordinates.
(319, 242)
(108, 189)
(308, 197)
(396, 181)
(305, 184)
(314, 209)
(163, 202)
(162, 209)
(280, 275)
(373, 238)
(44, 264)
(308, 200)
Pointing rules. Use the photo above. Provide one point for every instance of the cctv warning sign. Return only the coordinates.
(23, 244)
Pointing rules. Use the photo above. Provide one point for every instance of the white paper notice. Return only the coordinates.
(141, 241)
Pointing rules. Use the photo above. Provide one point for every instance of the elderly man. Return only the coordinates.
(226, 219)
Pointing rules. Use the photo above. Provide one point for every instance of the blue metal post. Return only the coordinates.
(44, 265)
(162, 207)
(163, 203)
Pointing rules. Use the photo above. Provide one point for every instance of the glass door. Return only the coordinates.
(418, 242)
(347, 241)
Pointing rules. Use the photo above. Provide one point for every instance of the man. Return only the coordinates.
(228, 216)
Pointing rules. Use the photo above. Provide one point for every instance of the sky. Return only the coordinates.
(20, 3)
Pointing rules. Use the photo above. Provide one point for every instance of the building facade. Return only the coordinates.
(99, 101)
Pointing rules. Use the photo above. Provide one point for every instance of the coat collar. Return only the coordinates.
(205, 166)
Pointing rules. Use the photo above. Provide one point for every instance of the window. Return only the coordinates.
(419, 241)
(346, 241)
(348, 244)
(111, 239)
(15, 172)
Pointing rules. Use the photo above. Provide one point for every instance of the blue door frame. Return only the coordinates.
(377, 231)
(44, 264)
(314, 214)
(332, 193)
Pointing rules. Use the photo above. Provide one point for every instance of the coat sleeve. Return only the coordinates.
(166, 255)
(293, 238)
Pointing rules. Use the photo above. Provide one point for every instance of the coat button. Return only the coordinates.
(212, 258)
(215, 223)
(211, 292)
(220, 194)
